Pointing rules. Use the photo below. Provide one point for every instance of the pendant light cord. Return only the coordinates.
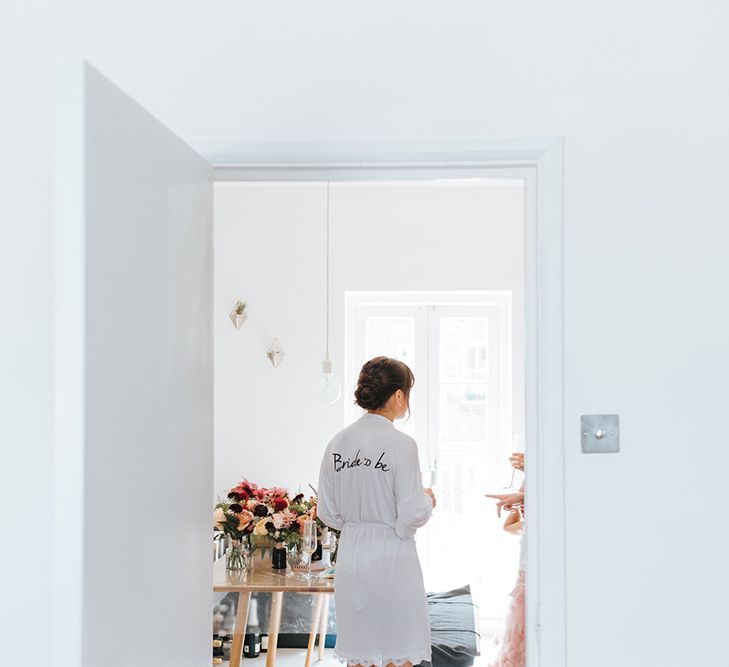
(327, 273)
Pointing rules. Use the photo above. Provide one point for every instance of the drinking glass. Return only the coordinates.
(517, 446)
(308, 543)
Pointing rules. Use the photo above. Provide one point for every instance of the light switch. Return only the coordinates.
(600, 434)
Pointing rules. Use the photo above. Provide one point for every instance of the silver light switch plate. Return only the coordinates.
(600, 434)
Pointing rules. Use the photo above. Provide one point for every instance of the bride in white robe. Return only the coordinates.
(370, 488)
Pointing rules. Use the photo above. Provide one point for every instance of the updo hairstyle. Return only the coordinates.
(379, 379)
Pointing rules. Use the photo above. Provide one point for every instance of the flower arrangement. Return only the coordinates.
(263, 516)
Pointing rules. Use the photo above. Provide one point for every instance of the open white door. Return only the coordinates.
(139, 384)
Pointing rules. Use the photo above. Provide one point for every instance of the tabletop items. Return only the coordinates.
(253, 517)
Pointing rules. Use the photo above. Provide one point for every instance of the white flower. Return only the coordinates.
(278, 520)
(219, 519)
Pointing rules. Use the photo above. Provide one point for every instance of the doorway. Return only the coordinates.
(316, 171)
(458, 246)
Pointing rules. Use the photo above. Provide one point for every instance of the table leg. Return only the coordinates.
(315, 619)
(323, 624)
(274, 625)
(241, 621)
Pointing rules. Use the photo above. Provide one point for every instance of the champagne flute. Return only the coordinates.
(308, 545)
(517, 446)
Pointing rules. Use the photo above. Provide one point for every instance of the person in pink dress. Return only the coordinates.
(512, 642)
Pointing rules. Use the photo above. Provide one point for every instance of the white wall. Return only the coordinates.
(148, 398)
(637, 90)
(269, 251)
(26, 332)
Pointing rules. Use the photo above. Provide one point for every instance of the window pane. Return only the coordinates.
(463, 354)
(463, 418)
(460, 483)
(394, 337)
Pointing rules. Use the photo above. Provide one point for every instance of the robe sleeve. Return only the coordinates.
(414, 506)
(326, 508)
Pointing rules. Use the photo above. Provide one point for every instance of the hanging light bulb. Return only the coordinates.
(328, 389)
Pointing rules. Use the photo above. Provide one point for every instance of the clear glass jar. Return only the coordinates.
(238, 557)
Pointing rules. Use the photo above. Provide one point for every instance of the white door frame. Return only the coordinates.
(540, 163)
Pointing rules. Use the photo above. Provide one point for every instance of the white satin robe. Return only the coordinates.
(370, 488)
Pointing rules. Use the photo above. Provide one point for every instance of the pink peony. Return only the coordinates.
(288, 518)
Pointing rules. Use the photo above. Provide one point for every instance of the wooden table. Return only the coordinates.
(264, 579)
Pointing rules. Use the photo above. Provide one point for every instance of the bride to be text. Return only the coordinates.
(355, 462)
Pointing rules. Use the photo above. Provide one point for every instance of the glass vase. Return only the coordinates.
(238, 557)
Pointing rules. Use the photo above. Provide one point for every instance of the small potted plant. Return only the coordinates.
(238, 315)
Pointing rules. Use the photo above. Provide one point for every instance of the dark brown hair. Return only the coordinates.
(379, 379)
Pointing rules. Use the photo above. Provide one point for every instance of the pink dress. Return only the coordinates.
(512, 643)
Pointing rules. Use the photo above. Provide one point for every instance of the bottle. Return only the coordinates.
(252, 639)
(278, 557)
(264, 643)
(227, 645)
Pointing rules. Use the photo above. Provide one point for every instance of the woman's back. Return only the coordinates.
(370, 474)
(361, 460)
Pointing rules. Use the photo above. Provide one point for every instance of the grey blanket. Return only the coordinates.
(453, 632)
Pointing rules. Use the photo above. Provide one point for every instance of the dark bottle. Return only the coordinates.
(252, 645)
(278, 558)
(252, 639)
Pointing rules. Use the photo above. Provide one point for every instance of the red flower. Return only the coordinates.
(280, 504)
(247, 487)
(242, 491)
